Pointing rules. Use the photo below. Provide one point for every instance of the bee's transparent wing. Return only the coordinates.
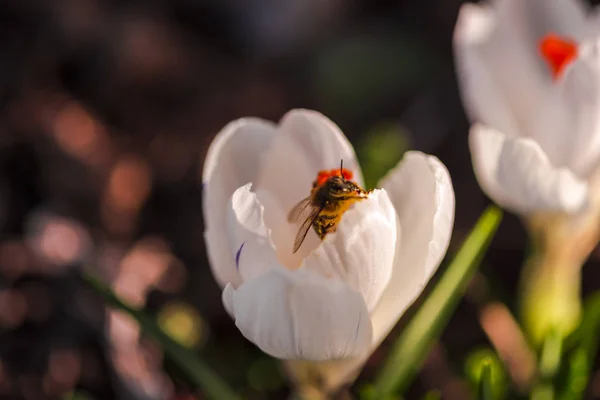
(311, 215)
(307, 213)
(300, 210)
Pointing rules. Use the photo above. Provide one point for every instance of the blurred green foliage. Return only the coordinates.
(381, 149)
(564, 368)
(181, 322)
(486, 373)
(550, 357)
(433, 395)
(485, 391)
(584, 347)
(357, 73)
(264, 375)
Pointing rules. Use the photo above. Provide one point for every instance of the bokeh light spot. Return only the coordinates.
(182, 322)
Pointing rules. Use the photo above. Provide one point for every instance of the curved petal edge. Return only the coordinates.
(361, 251)
(232, 160)
(517, 174)
(421, 190)
(300, 315)
(249, 236)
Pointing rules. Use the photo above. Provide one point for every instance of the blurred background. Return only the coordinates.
(107, 109)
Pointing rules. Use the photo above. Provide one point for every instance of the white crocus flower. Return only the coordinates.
(332, 300)
(529, 73)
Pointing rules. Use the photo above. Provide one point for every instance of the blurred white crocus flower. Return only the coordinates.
(529, 74)
(334, 299)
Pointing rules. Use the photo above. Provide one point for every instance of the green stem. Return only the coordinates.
(550, 292)
(550, 357)
(549, 365)
(581, 359)
(543, 391)
(550, 298)
(423, 330)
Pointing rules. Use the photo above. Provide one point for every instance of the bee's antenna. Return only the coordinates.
(342, 167)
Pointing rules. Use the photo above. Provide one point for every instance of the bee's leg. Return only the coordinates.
(320, 230)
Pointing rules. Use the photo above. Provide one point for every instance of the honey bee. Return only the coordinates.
(332, 194)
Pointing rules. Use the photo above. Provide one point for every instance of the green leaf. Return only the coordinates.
(189, 364)
(485, 391)
(356, 73)
(578, 375)
(590, 327)
(424, 328)
(581, 359)
(380, 150)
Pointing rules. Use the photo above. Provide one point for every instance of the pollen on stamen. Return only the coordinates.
(325, 174)
(558, 53)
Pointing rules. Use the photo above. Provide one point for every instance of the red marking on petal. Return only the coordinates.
(558, 53)
(325, 174)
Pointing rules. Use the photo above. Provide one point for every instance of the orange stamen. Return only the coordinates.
(326, 174)
(558, 53)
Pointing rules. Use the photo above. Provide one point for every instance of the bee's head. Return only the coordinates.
(338, 186)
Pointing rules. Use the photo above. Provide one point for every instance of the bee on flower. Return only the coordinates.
(332, 293)
(332, 194)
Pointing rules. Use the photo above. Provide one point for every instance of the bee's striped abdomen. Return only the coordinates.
(325, 223)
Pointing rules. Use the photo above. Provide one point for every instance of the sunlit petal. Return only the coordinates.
(233, 159)
(300, 315)
(361, 251)
(517, 174)
(568, 126)
(249, 237)
(421, 191)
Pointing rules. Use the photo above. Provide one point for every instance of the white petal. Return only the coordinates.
(421, 190)
(525, 23)
(592, 23)
(482, 98)
(568, 126)
(517, 174)
(232, 160)
(361, 251)
(322, 141)
(501, 75)
(227, 297)
(562, 17)
(306, 143)
(300, 315)
(249, 237)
